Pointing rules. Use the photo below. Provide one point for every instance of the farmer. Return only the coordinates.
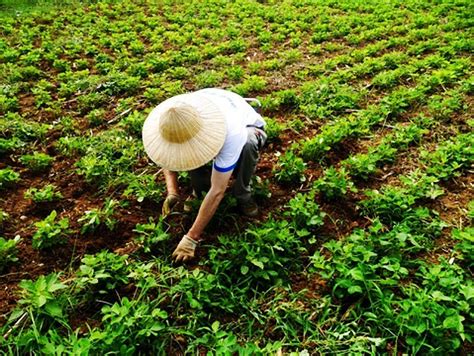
(186, 133)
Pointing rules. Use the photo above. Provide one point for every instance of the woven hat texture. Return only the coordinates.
(184, 132)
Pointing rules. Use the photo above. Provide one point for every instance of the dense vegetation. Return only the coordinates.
(365, 241)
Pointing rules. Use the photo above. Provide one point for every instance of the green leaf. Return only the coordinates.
(437, 295)
(159, 313)
(257, 263)
(454, 322)
(354, 289)
(215, 326)
(468, 291)
(244, 270)
(54, 309)
(357, 274)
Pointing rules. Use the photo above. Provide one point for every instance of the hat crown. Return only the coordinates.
(180, 123)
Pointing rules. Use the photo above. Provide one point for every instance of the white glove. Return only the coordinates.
(185, 249)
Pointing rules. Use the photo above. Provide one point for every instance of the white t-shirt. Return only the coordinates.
(239, 115)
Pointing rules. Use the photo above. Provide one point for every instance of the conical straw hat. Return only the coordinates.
(184, 132)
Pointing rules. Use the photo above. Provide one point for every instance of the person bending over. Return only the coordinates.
(213, 134)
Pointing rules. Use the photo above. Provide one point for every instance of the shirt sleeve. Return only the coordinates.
(228, 156)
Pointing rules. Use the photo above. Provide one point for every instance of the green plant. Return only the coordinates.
(465, 247)
(47, 194)
(10, 145)
(102, 272)
(50, 233)
(133, 123)
(41, 300)
(392, 202)
(304, 212)
(290, 168)
(470, 213)
(8, 177)
(151, 234)
(8, 251)
(432, 316)
(143, 186)
(94, 218)
(263, 255)
(325, 99)
(334, 183)
(251, 84)
(37, 162)
(129, 324)
(208, 79)
(96, 117)
(273, 129)
(451, 156)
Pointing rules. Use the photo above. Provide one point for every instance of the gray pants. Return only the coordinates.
(201, 177)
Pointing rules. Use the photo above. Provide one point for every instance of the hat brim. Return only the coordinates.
(195, 152)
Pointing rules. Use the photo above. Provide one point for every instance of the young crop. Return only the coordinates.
(435, 314)
(330, 74)
(451, 156)
(106, 157)
(264, 255)
(325, 99)
(47, 194)
(209, 79)
(470, 212)
(93, 219)
(151, 234)
(8, 177)
(8, 252)
(37, 162)
(465, 247)
(273, 129)
(95, 117)
(14, 125)
(131, 325)
(286, 99)
(42, 300)
(50, 233)
(393, 202)
(133, 123)
(10, 145)
(334, 183)
(289, 169)
(365, 164)
(304, 212)
(250, 85)
(144, 186)
(443, 107)
(102, 272)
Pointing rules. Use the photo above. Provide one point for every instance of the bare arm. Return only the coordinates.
(171, 179)
(210, 203)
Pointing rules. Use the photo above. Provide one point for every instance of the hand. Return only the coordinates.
(185, 249)
(169, 203)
